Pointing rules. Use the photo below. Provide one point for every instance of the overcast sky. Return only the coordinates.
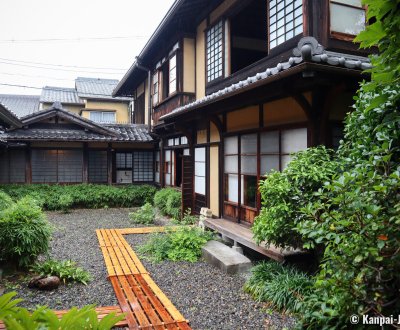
(85, 33)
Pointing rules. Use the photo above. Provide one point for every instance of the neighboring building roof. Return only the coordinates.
(88, 131)
(20, 105)
(60, 94)
(8, 118)
(307, 50)
(97, 88)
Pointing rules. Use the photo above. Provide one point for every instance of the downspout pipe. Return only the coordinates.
(144, 68)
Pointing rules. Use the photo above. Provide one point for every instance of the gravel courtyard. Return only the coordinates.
(207, 297)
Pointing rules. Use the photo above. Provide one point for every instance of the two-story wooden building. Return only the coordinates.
(232, 88)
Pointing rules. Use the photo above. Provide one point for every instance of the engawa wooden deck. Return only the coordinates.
(145, 305)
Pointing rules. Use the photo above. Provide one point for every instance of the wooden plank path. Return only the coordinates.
(143, 302)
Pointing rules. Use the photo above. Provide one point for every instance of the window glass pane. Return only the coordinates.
(249, 190)
(95, 116)
(70, 165)
(172, 62)
(186, 152)
(200, 185)
(294, 140)
(168, 179)
(184, 140)
(170, 142)
(17, 166)
(248, 165)
(231, 145)
(356, 3)
(44, 166)
(109, 117)
(285, 160)
(214, 52)
(346, 19)
(231, 164)
(269, 163)
(248, 144)
(200, 169)
(142, 166)
(168, 155)
(269, 142)
(231, 188)
(200, 154)
(97, 167)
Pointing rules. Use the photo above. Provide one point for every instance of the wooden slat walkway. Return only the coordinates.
(101, 313)
(143, 302)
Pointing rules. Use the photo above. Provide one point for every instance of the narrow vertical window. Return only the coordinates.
(231, 169)
(285, 20)
(172, 75)
(248, 169)
(157, 167)
(167, 167)
(214, 52)
(200, 171)
(155, 88)
(347, 17)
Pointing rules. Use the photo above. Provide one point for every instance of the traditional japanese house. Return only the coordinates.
(232, 88)
(58, 146)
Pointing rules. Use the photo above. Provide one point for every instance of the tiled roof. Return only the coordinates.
(88, 130)
(8, 118)
(96, 88)
(60, 94)
(307, 50)
(20, 105)
(124, 133)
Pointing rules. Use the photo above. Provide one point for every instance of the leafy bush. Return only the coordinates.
(65, 201)
(58, 197)
(285, 193)
(168, 201)
(182, 244)
(15, 317)
(66, 270)
(5, 201)
(282, 286)
(188, 218)
(145, 215)
(24, 232)
(357, 214)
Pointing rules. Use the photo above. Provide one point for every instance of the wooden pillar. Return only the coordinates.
(109, 165)
(28, 164)
(85, 176)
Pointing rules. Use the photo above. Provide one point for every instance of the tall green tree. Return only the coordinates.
(357, 215)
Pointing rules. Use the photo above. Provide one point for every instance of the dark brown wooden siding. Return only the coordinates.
(187, 183)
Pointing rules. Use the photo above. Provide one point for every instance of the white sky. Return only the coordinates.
(24, 20)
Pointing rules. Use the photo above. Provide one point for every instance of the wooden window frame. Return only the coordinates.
(341, 35)
(156, 87)
(222, 22)
(102, 113)
(285, 23)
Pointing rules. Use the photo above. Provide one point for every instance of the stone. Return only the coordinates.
(49, 283)
(45, 283)
(224, 258)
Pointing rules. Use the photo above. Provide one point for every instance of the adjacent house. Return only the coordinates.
(232, 88)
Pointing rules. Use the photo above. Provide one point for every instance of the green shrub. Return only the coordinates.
(15, 317)
(285, 193)
(169, 202)
(58, 197)
(66, 270)
(145, 215)
(174, 204)
(182, 244)
(5, 201)
(24, 232)
(283, 287)
(188, 218)
(65, 201)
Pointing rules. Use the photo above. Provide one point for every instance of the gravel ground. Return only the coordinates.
(207, 297)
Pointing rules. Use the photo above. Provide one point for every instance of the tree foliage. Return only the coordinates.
(357, 215)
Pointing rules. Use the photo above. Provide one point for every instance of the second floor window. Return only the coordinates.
(347, 17)
(285, 20)
(172, 75)
(102, 116)
(214, 52)
(155, 88)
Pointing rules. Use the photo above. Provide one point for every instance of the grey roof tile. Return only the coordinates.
(60, 94)
(307, 50)
(97, 88)
(20, 105)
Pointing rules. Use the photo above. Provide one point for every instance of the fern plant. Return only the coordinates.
(145, 215)
(66, 270)
(15, 317)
